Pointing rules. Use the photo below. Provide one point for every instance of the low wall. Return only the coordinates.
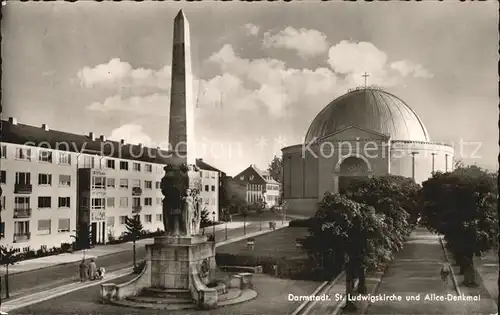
(113, 292)
(205, 297)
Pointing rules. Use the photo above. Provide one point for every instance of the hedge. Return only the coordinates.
(299, 269)
(300, 223)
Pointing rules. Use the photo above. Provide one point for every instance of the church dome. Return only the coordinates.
(371, 109)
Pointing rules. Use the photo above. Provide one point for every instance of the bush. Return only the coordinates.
(140, 266)
(300, 223)
(66, 247)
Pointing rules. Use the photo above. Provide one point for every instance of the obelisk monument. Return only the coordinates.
(182, 256)
(181, 134)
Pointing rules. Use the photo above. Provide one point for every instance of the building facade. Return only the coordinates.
(260, 186)
(53, 182)
(366, 132)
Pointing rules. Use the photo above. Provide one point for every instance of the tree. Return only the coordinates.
(243, 210)
(352, 232)
(461, 205)
(8, 256)
(402, 191)
(83, 237)
(205, 218)
(134, 230)
(275, 169)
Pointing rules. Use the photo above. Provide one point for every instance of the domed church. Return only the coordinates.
(366, 132)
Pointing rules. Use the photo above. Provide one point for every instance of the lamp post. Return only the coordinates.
(225, 221)
(213, 221)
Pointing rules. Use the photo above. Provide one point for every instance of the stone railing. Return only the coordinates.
(205, 297)
(242, 280)
(113, 292)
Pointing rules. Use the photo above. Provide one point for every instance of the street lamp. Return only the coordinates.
(225, 221)
(213, 221)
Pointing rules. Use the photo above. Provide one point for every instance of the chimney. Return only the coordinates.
(122, 141)
(45, 127)
(102, 137)
(92, 136)
(12, 120)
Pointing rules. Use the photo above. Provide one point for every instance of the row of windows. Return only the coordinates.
(46, 156)
(43, 179)
(148, 218)
(123, 202)
(111, 202)
(43, 227)
(207, 175)
(98, 182)
(43, 202)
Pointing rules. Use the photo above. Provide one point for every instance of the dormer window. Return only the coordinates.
(251, 177)
(242, 177)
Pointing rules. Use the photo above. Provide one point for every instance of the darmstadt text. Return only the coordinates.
(374, 298)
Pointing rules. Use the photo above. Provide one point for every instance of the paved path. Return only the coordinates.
(415, 272)
(44, 295)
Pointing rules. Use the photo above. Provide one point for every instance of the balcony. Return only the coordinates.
(22, 237)
(23, 188)
(136, 191)
(22, 213)
(136, 209)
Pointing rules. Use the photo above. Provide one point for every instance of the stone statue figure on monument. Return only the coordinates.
(181, 215)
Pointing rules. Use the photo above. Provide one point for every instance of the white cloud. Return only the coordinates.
(353, 59)
(153, 104)
(119, 74)
(406, 68)
(131, 133)
(252, 29)
(306, 42)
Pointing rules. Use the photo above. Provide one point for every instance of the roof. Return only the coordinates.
(22, 134)
(204, 166)
(370, 109)
(262, 173)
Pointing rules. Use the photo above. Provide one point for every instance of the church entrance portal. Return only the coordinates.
(350, 169)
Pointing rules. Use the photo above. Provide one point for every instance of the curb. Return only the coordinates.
(365, 307)
(72, 287)
(453, 277)
(305, 303)
(325, 287)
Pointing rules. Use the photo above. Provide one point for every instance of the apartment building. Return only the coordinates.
(210, 188)
(54, 181)
(260, 186)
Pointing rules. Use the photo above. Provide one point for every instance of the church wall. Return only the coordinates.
(376, 153)
(311, 176)
(297, 182)
(402, 160)
(287, 175)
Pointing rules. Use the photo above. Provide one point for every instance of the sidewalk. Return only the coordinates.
(38, 297)
(487, 270)
(416, 272)
(97, 251)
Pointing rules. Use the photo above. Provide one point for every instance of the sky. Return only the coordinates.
(262, 71)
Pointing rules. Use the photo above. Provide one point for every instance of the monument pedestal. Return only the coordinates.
(175, 260)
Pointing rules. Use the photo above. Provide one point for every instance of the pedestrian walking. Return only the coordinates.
(83, 270)
(92, 269)
(445, 272)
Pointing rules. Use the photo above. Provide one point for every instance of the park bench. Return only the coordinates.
(251, 244)
(299, 243)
